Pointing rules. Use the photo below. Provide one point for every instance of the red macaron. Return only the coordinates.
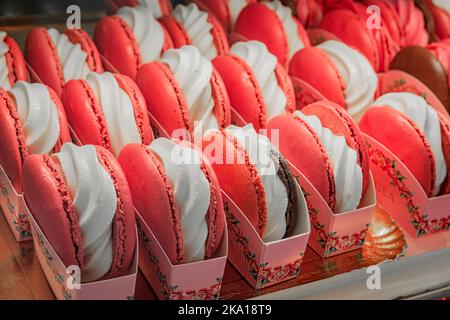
(32, 120)
(306, 139)
(441, 17)
(273, 24)
(159, 8)
(130, 38)
(12, 64)
(182, 89)
(107, 110)
(59, 57)
(88, 215)
(258, 86)
(180, 202)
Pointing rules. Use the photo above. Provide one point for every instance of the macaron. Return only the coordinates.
(258, 86)
(184, 91)
(417, 134)
(351, 22)
(59, 57)
(324, 143)
(273, 24)
(158, 8)
(177, 194)
(226, 11)
(107, 110)
(342, 74)
(12, 64)
(257, 178)
(88, 215)
(440, 10)
(308, 12)
(430, 64)
(189, 25)
(131, 37)
(32, 121)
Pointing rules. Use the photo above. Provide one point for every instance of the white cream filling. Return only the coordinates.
(154, 6)
(284, 13)
(193, 73)
(348, 178)
(263, 64)
(264, 156)
(235, 7)
(359, 77)
(4, 71)
(196, 24)
(426, 119)
(38, 115)
(71, 56)
(192, 193)
(95, 199)
(117, 109)
(147, 31)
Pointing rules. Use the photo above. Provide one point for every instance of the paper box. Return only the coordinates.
(62, 282)
(400, 194)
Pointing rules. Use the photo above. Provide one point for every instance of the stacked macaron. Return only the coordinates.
(440, 10)
(258, 86)
(257, 178)
(158, 8)
(308, 12)
(190, 25)
(177, 194)
(138, 38)
(107, 110)
(416, 133)
(273, 24)
(12, 63)
(88, 214)
(324, 143)
(339, 72)
(59, 57)
(184, 91)
(32, 121)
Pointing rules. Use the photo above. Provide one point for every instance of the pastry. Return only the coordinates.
(440, 9)
(107, 110)
(177, 194)
(417, 134)
(258, 86)
(184, 91)
(88, 214)
(189, 25)
(59, 57)
(308, 12)
(12, 63)
(339, 72)
(130, 38)
(326, 146)
(226, 11)
(273, 24)
(32, 121)
(158, 8)
(256, 177)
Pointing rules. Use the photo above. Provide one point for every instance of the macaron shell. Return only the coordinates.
(16, 62)
(285, 83)
(56, 216)
(219, 8)
(238, 177)
(79, 36)
(222, 105)
(165, 5)
(219, 36)
(154, 197)
(405, 140)
(139, 107)
(176, 31)
(12, 144)
(164, 97)
(64, 132)
(341, 123)
(301, 146)
(445, 135)
(85, 114)
(441, 20)
(423, 65)
(116, 42)
(313, 66)
(41, 54)
(317, 36)
(124, 225)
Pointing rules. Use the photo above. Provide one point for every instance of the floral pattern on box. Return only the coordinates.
(331, 242)
(422, 224)
(49, 259)
(172, 292)
(20, 222)
(261, 272)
